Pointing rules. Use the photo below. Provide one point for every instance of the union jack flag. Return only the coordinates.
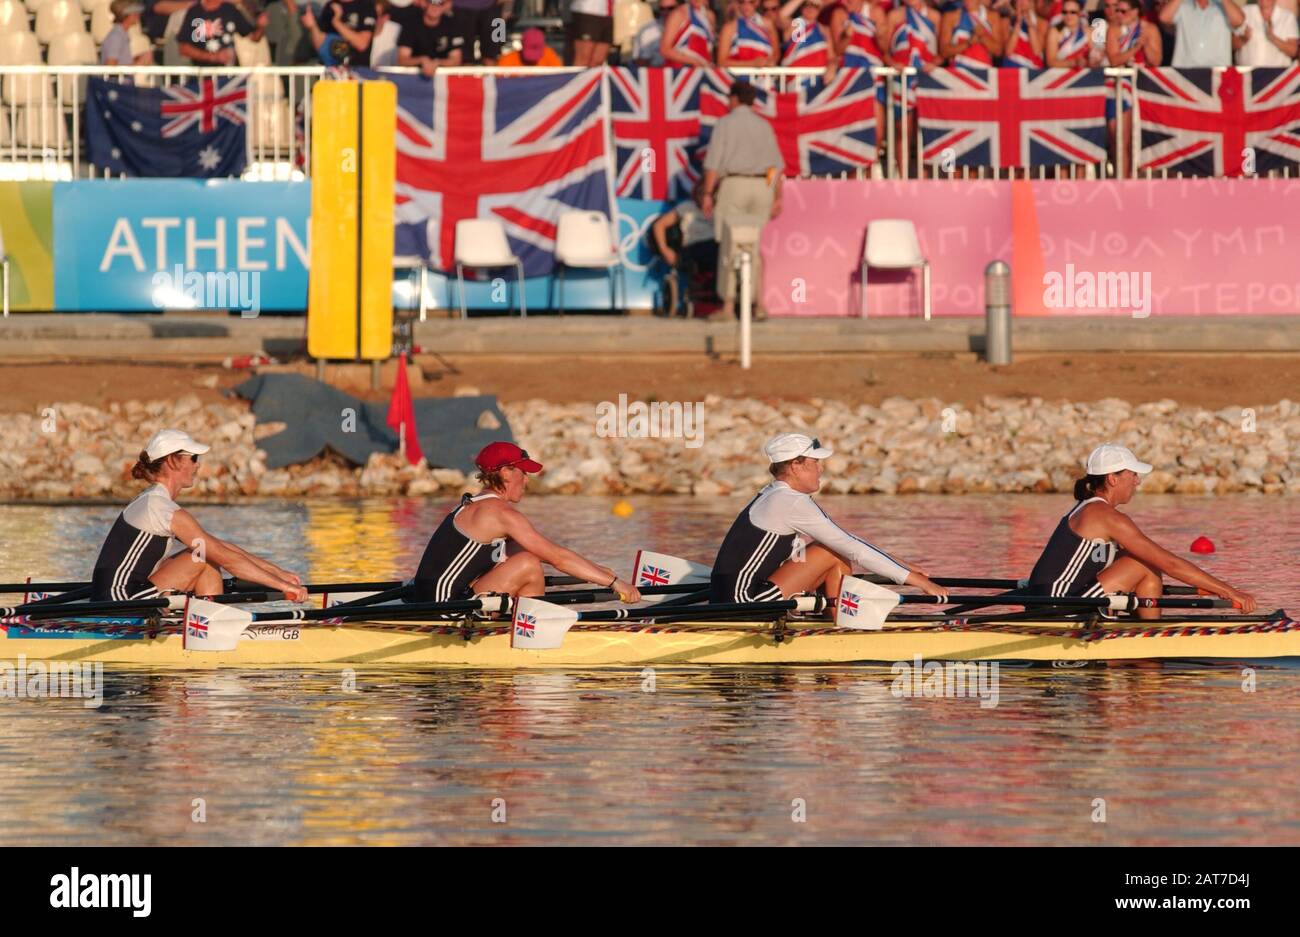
(525, 625)
(656, 119)
(518, 150)
(1202, 121)
(849, 604)
(1007, 117)
(653, 576)
(825, 127)
(203, 106)
(196, 626)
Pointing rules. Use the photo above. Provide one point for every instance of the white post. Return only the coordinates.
(745, 262)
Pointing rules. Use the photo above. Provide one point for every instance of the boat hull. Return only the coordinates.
(681, 644)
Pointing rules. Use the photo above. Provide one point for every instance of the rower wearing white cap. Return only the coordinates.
(156, 546)
(783, 544)
(1096, 549)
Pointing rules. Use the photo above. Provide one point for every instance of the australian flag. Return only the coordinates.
(195, 129)
(1219, 122)
(1005, 117)
(518, 150)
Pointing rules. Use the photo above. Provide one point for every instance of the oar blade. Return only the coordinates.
(537, 625)
(664, 569)
(863, 605)
(213, 627)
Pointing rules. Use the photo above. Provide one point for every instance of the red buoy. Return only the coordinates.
(1202, 545)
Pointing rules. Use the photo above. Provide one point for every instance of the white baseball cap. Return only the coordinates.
(167, 441)
(1108, 458)
(789, 446)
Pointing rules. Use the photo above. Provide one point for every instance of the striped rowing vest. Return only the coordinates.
(748, 555)
(1070, 564)
(452, 561)
(137, 542)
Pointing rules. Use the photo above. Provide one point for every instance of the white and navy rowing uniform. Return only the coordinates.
(764, 536)
(1070, 564)
(452, 560)
(139, 540)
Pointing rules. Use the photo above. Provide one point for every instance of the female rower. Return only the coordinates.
(1081, 557)
(760, 559)
(466, 554)
(156, 547)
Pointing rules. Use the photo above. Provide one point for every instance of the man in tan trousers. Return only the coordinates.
(743, 171)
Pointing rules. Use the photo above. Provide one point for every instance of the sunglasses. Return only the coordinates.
(1070, 12)
(816, 444)
(193, 457)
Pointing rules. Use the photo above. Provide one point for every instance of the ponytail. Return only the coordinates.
(1088, 486)
(146, 469)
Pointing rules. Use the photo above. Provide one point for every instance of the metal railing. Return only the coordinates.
(41, 117)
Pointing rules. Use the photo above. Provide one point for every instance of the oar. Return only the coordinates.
(81, 609)
(76, 595)
(11, 587)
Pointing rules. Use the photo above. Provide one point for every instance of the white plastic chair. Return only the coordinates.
(89, 6)
(23, 49)
(583, 240)
(35, 5)
(38, 126)
(892, 244)
(101, 23)
(56, 17)
(73, 49)
(481, 242)
(19, 48)
(13, 17)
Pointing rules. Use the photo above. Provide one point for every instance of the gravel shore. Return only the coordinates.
(76, 452)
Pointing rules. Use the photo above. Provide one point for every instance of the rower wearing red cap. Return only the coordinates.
(464, 558)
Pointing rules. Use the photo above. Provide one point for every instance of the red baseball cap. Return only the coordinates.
(496, 455)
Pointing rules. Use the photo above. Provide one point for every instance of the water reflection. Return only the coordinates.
(1177, 754)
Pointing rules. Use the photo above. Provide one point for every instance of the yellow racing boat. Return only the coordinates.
(488, 644)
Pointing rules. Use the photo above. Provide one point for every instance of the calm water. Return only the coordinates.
(1177, 754)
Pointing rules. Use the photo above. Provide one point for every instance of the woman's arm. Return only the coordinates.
(521, 531)
(1121, 529)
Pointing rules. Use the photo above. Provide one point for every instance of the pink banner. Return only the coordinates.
(812, 252)
(1138, 248)
(1186, 247)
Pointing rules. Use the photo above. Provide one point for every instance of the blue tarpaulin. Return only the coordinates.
(317, 415)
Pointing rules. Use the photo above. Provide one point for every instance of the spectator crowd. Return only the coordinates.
(821, 34)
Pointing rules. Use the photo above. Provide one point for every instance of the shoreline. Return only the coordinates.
(903, 446)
